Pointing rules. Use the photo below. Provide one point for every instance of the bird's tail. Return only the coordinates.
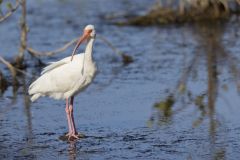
(33, 91)
(35, 97)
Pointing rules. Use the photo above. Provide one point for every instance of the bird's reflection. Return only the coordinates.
(72, 150)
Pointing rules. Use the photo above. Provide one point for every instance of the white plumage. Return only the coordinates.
(66, 78)
(63, 79)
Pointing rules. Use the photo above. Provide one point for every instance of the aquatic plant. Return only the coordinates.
(182, 11)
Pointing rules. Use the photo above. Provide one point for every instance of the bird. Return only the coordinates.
(64, 79)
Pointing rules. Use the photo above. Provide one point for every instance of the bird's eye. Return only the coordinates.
(90, 30)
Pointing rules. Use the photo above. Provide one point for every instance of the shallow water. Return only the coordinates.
(117, 113)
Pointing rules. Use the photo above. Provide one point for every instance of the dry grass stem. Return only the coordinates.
(51, 53)
(7, 15)
(12, 69)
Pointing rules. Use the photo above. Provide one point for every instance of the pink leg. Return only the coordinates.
(72, 117)
(68, 118)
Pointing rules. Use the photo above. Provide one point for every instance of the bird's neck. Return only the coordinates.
(89, 49)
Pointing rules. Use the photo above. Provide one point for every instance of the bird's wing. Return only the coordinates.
(59, 76)
(54, 65)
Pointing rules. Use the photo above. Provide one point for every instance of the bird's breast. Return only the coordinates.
(84, 82)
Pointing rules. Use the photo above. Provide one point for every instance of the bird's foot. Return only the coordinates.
(68, 134)
(72, 137)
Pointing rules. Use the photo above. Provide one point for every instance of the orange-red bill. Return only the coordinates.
(84, 37)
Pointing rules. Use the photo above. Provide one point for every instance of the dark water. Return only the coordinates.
(126, 112)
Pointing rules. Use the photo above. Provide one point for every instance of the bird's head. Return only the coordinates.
(88, 32)
(90, 29)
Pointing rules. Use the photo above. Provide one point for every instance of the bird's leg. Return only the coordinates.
(68, 118)
(74, 132)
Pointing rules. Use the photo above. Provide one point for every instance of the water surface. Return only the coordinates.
(124, 113)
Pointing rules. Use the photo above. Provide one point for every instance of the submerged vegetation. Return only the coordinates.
(217, 60)
(208, 18)
(181, 11)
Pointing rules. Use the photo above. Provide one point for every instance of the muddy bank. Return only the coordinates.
(182, 12)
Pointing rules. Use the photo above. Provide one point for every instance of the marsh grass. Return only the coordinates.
(182, 11)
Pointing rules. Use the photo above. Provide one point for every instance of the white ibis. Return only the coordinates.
(66, 78)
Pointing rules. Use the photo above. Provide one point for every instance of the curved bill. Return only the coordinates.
(84, 37)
